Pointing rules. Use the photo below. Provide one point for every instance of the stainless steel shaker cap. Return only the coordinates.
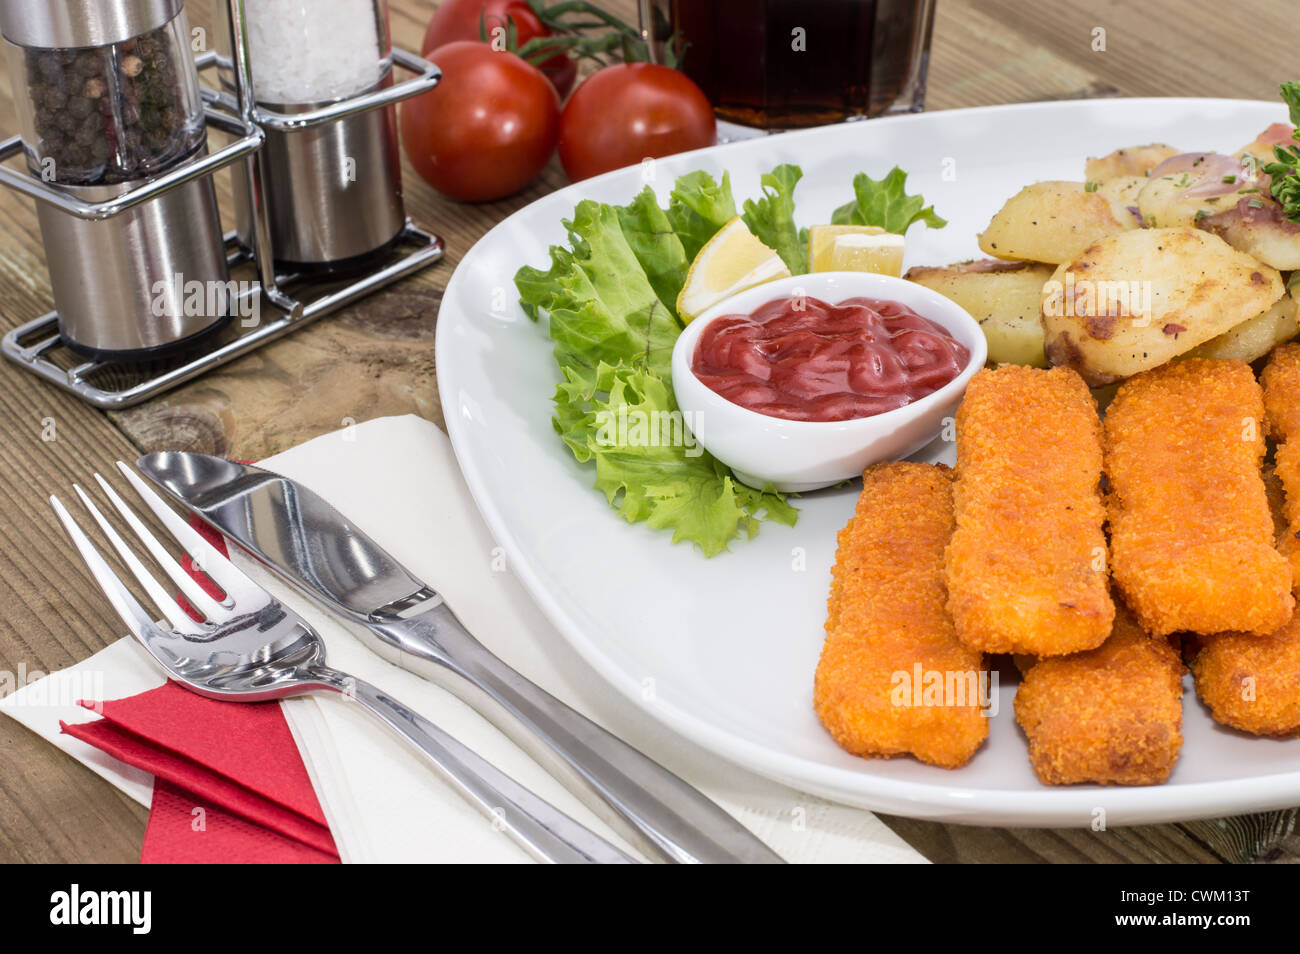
(65, 24)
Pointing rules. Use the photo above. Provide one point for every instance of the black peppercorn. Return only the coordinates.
(115, 113)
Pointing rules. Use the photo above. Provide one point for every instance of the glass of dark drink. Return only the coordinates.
(785, 64)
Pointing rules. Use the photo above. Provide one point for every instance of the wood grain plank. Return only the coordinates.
(963, 844)
(979, 59)
(51, 808)
(1190, 48)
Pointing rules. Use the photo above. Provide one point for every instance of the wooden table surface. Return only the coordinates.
(377, 359)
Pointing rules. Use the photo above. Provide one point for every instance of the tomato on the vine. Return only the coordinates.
(488, 127)
(630, 111)
(461, 20)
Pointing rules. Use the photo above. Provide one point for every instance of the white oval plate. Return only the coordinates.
(723, 650)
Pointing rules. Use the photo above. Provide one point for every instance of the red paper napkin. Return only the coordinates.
(230, 785)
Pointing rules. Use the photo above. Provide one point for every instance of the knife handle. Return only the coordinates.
(655, 809)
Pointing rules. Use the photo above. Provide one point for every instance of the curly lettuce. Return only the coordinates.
(885, 204)
(771, 218)
(649, 464)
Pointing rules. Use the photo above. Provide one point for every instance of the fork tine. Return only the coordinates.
(208, 558)
(161, 598)
(132, 613)
(205, 604)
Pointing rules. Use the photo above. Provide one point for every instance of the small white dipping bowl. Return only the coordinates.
(795, 456)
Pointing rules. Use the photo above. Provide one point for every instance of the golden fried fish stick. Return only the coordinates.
(1026, 568)
(1250, 682)
(1111, 715)
(1281, 380)
(1287, 468)
(888, 635)
(1191, 534)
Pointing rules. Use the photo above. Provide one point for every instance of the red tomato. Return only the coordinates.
(487, 129)
(460, 19)
(628, 112)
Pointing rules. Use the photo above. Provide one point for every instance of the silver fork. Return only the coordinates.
(250, 647)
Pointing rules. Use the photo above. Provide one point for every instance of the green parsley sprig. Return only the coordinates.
(1285, 173)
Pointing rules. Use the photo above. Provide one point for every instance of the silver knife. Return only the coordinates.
(313, 546)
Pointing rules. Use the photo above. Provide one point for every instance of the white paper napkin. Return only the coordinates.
(397, 478)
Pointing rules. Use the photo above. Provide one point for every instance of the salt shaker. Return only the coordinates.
(333, 189)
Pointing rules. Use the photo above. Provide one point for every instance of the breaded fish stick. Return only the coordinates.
(1281, 380)
(1111, 715)
(1250, 682)
(1026, 568)
(1192, 546)
(887, 625)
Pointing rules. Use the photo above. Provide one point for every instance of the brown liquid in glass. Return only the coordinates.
(855, 58)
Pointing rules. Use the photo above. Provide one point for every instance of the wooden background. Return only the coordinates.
(378, 359)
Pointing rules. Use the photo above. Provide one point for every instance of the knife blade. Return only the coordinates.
(305, 540)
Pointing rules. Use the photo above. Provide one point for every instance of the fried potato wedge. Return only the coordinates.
(1254, 337)
(1053, 222)
(1133, 301)
(1129, 161)
(1004, 297)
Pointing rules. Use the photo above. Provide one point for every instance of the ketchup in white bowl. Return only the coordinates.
(802, 359)
(802, 382)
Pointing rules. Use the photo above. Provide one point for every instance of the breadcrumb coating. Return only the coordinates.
(1191, 534)
(1281, 381)
(887, 616)
(1111, 715)
(1027, 568)
(1287, 467)
(1250, 682)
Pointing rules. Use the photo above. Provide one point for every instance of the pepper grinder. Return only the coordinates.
(108, 101)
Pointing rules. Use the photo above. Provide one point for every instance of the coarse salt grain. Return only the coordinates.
(311, 51)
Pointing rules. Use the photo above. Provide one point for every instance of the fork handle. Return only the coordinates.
(656, 809)
(540, 828)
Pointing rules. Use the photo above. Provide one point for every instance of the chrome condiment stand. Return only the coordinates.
(282, 295)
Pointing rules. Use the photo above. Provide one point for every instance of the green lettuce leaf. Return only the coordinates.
(649, 465)
(885, 204)
(656, 246)
(600, 304)
(609, 300)
(698, 207)
(771, 218)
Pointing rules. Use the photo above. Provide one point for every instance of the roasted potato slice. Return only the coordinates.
(1222, 194)
(1136, 300)
(1123, 191)
(1004, 297)
(1129, 161)
(1053, 222)
(1256, 226)
(1254, 337)
(1189, 187)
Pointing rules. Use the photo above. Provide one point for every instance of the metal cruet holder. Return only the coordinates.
(319, 236)
(115, 135)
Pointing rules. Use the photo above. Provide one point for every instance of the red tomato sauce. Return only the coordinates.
(802, 359)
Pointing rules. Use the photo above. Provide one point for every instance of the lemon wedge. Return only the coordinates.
(730, 262)
(855, 248)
